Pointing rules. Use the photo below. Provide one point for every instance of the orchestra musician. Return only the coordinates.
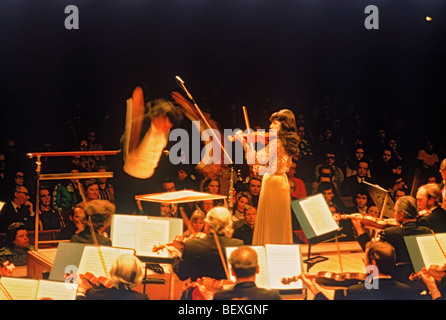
(99, 213)
(273, 222)
(380, 255)
(405, 210)
(429, 199)
(200, 257)
(125, 274)
(245, 267)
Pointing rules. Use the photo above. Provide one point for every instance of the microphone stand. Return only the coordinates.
(231, 163)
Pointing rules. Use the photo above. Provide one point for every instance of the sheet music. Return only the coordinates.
(152, 232)
(91, 260)
(179, 196)
(430, 251)
(56, 290)
(283, 261)
(123, 230)
(275, 262)
(262, 278)
(19, 288)
(318, 214)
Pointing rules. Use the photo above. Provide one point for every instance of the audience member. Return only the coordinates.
(16, 245)
(106, 189)
(90, 190)
(196, 224)
(67, 194)
(353, 184)
(299, 190)
(74, 223)
(382, 169)
(17, 209)
(337, 174)
(245, 231)
(254, 186)
(184, 180)
(85, 163)
(242, 199)
(331, 196)
(352, 162)
(245, 267)
(48, 217)
(360, 201)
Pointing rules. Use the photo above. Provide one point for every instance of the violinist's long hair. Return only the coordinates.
(288, 134)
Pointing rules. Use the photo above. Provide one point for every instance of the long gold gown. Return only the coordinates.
(273, 220)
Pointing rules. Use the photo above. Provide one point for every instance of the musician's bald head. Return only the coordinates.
(244, 262)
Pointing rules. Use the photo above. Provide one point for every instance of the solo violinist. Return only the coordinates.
(406, 215)
(273, 221)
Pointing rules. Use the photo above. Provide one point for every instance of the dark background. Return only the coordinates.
(263, 54)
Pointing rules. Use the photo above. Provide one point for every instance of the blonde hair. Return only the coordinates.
(126, 272)
(219, 219)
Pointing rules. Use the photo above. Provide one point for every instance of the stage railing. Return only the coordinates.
(63, 176)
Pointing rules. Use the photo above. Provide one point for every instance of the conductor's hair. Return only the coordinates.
(161, 107)
(244, 262)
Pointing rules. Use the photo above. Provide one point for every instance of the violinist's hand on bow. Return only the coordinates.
(430, 282)
(435, 271)
(358, 225)
(310, 283)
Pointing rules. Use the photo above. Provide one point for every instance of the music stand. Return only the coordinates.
(317, 223)
(382, 199)
(182, 196)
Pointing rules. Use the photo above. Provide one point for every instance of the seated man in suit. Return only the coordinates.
(200, 257)
(406, 215)
(244, 263)
(18, 209)
(353, 184)
(429, 200)
(379, 285)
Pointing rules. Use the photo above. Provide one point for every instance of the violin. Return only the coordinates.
(332, 279)
(178, 242)
(368, 221)
(205, 287)
(95, 282)
(257, 136)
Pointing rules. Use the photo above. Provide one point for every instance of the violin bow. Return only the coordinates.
(438, 242)
(201, 116)
(95, 239)
(5, 291)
